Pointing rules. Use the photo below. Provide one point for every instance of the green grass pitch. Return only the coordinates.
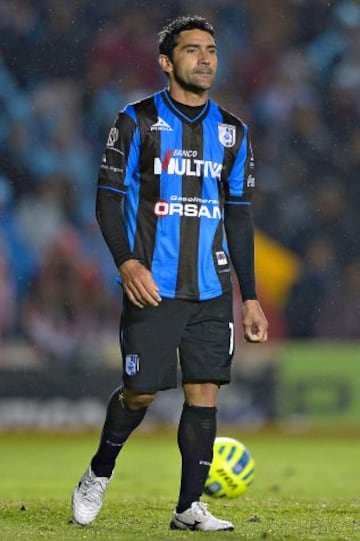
(306, 488)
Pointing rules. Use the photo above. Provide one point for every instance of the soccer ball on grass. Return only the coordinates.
(232, 469)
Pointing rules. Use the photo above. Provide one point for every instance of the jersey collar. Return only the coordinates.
(183, 117)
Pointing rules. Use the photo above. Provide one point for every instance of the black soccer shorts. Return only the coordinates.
(200, 335)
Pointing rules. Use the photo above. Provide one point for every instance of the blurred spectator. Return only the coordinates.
(19, 259)
(7, 293)
(339, 314)
(67, 314)
(317, 282)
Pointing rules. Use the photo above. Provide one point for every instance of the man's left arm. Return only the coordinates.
(240, 237)
(239, 229)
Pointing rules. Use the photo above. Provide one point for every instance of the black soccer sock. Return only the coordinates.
(119, 423)
(196, 434)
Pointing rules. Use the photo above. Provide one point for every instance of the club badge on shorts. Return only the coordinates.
(132, 364)
(226, 134)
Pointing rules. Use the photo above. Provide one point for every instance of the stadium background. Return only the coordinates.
(291, 70)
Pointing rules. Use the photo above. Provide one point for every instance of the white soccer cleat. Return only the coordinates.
(197, 517)
(88, 497)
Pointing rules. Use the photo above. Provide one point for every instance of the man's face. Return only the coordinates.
(194, 61)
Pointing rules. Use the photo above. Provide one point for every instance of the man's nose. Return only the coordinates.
(204, 57)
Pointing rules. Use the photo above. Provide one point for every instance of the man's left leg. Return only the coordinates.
(196, 434)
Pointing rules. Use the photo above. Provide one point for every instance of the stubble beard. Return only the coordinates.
(193, 86)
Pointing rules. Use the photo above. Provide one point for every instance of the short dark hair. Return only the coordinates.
(169, 34)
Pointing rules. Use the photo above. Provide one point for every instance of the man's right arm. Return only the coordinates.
(118, 162)
(137, 281)
(111, 222)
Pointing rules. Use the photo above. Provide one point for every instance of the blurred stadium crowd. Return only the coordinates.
(290, 68)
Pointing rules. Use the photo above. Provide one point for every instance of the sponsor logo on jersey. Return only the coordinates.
(190, 166)
(251, 160)
(161, 125)
(250, 181)
(185, 153)
(112, 137)
(132, 364)
(111, 168)
(194, 199)
(221, 258)
(227, 134)
(193, 210)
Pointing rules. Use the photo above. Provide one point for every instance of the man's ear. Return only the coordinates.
(165, 63)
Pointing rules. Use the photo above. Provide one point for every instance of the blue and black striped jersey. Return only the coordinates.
(176, 174)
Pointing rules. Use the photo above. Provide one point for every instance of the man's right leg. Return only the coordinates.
(125, 411)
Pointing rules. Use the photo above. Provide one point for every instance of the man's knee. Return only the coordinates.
(201, 394)
(136, 401)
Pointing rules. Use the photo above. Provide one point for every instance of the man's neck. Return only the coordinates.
(191, 111)
(188, 97)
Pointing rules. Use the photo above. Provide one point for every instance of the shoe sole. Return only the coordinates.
(193, 527)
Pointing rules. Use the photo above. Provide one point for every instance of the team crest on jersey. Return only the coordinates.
(227, 134)
(113, 137)
(132, 364)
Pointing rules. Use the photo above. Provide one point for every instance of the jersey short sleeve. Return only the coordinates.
(121, 155)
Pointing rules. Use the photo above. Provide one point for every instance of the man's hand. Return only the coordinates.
(254, 322)
(139, 284)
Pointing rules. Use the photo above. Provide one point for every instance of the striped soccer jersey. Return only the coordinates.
(176, 174)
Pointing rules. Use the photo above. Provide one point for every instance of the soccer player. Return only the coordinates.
(177, 173)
